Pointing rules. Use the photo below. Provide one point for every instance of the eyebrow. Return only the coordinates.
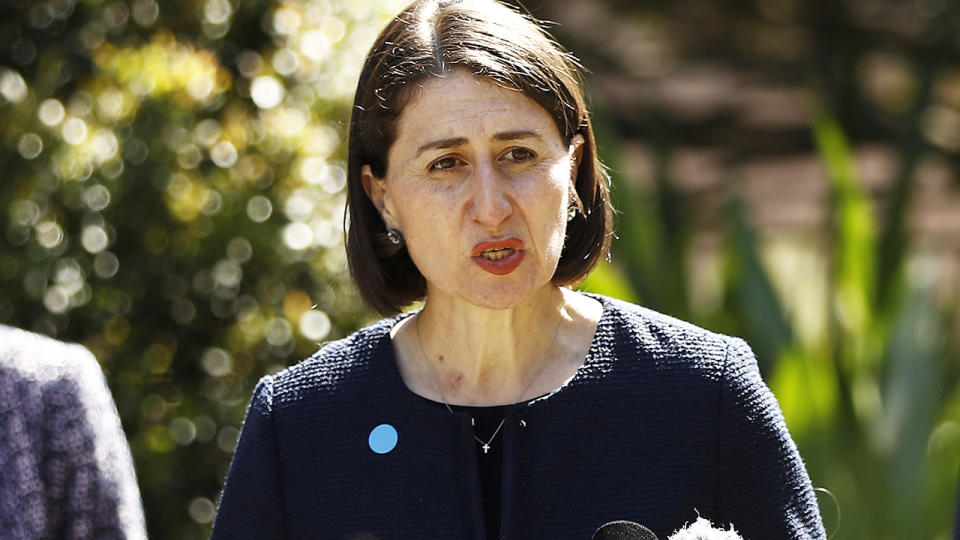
(459, 141)
(442, 143)
(518, 134)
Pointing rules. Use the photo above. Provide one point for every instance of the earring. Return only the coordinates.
(394, 237)
(571, 211)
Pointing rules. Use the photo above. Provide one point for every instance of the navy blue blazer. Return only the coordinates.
(664, 421)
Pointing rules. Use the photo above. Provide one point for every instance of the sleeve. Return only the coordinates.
(102, 485)
(762, 485)
(251, 504)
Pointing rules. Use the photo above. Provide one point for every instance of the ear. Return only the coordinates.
(576, 145)
(376, 190)
(575, 150)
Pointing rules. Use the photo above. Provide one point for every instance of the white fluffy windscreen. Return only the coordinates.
(701, 529)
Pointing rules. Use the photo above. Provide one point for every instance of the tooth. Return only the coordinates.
(497, 254)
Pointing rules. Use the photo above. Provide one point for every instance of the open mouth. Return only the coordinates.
(497, 254)
(500, 256)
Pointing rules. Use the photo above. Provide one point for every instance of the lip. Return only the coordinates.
(502, 266)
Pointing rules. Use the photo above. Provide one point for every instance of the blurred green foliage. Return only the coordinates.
(172, 198)
(855, 324)
(874, 400)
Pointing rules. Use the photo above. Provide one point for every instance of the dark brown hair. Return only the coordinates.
(491, 40)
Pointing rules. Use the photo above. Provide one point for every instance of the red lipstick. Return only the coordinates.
(499, 257)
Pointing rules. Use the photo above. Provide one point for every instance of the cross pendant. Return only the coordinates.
(486, 448)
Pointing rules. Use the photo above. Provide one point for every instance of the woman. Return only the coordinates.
(509, 406)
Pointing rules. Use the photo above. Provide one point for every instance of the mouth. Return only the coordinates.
(497, 249)
(497, 254)
(499, 257)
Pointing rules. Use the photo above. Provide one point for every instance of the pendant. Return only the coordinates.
(486, 448)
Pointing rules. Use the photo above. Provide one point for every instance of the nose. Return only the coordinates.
(490, 206)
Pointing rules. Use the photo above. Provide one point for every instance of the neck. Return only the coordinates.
(483, 356)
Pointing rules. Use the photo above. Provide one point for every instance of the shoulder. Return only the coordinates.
(46, 381)
(668, 343)
(50, 370)
(337, 366)
(44, 359)
(65, 377)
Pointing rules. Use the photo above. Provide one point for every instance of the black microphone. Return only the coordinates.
(623, 530)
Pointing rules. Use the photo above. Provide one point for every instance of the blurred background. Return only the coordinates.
(172, 197)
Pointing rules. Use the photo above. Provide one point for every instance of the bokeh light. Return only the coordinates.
(94, 239)
(201, 510)
(266, 91)
(74, 131)
(29, 145)
(259, 208)
(12, 86)
(314, 325)
(51, 112)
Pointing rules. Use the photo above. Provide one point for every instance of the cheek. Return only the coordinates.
(555, 193)
(425, 218)
(413, 203)
(551, 216)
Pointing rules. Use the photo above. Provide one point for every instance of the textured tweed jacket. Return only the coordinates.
(65, 467)
(664, 421)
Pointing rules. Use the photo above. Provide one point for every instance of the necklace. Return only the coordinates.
(485, 445)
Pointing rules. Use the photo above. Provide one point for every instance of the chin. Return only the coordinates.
(502, 296)
(488, 291)
(493, 303)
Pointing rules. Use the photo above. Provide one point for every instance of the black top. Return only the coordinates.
(486, 427)
(486, 420)
(486, 423)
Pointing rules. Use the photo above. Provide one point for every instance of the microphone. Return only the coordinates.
(623, 530)
(702, 529)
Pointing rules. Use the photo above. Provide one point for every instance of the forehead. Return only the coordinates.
(459, 104)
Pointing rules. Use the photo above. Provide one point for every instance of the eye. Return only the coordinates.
(519, 155)
(445, 164)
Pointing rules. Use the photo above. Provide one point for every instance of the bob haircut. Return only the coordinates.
(429, 39)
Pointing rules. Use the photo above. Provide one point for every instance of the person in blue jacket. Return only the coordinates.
(65, 466)
(509, 405)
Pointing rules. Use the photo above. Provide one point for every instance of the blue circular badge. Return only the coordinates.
(383, 438)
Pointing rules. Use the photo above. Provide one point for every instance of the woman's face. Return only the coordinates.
(478, 183)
